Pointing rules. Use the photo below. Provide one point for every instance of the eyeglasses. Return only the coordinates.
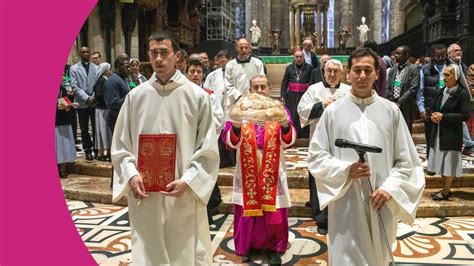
(333, 71)
(163, 53)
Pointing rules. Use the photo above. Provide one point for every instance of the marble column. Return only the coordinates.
(325, 27)
(344, 14)
(318, 35)
(298, 27)
(397, 19)
(94, 34)
(134, 42)
(292, 28)
(264, 22)
(375, 25)
(73, 54)
(280, 11)
(119, 40)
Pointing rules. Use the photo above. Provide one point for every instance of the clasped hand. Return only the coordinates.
(436, 117)
(328, 101)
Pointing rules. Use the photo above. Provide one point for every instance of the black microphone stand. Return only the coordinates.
(384, 233)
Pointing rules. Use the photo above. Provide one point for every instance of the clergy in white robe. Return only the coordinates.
(215, 82)
(240, 71)
(195, 73)
(396, 173)
(310, 108)
(166, 228)
(311, 105)
(215, 79)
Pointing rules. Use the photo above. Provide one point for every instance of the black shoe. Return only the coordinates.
(430, 173)
(440, 192)
(89, 156)
(322, 231)
(322, 228)
(440, 196)
(273, 258)
(308, 204)
(245, 259)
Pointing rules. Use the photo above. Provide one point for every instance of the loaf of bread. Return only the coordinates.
(257, 108)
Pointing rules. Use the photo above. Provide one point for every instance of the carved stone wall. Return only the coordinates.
(280, 19)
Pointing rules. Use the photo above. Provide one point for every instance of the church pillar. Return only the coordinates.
(118, 36)
(292, 28)
(325, 27)
(345, 18)
(298, 27)
(318, 34)
(397, 19)
(375, 25)
(94, 34)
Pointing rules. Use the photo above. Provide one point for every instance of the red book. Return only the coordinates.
(65, 101)
(157, 160)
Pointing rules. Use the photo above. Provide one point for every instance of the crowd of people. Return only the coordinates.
(371, 100)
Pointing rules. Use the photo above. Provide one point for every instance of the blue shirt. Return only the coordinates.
(116, 88)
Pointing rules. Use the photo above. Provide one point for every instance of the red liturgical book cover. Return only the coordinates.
(157, 160)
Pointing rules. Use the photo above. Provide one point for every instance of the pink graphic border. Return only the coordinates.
(36, 227)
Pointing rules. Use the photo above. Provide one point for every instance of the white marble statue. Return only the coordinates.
(256, 33)
(363, 30)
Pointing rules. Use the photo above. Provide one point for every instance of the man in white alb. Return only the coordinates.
(311, 107)
(167, 227)
(239, 71)
(355, 236)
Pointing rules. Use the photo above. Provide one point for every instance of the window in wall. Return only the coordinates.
(331, 24)
(385, 21)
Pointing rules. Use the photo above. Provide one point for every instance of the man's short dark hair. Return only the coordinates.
(371, 44)
(161, 35)
(120, 61)
(406, 48)
(194, 62)
(224, 52)
(98, 53)
(436, 46)
(363, 52)
(184, 54)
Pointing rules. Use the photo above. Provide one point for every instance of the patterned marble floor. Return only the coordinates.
(430, 241)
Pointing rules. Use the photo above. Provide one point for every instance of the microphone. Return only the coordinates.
(358, 147)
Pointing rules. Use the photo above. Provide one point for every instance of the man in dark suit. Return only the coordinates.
(403, 83)
(309, 56)
(83, 78)
(317, 74)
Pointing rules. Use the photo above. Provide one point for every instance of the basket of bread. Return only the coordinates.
(256, 108)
